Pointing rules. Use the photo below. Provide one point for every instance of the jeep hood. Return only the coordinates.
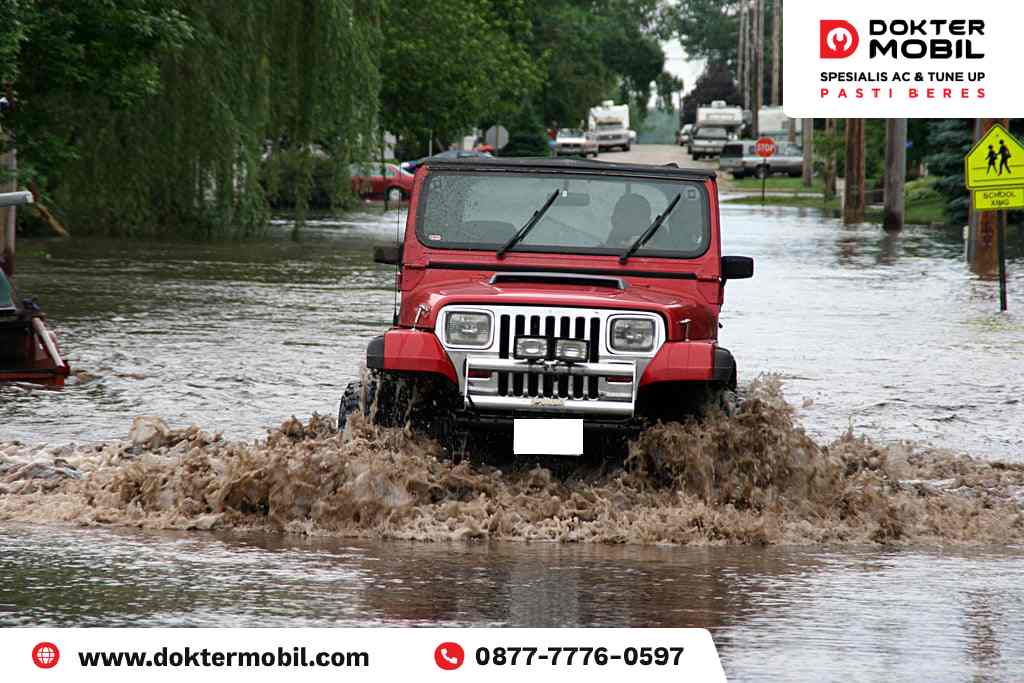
(673, 306)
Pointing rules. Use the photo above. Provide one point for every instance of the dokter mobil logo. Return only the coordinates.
(905, 58)
(839, 39)
(944, 45)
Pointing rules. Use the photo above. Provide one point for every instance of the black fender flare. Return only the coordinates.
(375, 353)
(725, 368)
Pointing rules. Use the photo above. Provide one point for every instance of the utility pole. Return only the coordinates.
(830, 159)
(776, 54)
(853, 200)
(983, 233)
(743, 62)
(758, 41)
(807, 132)
(895, 173)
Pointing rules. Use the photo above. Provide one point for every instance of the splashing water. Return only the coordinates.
(753, 478)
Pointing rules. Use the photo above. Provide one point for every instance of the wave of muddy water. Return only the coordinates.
(755, 478)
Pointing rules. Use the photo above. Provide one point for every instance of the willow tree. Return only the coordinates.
(220, 92)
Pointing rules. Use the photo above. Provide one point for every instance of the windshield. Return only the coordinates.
(570, 133)
(736, 149)
(592, 215)
(717, 133)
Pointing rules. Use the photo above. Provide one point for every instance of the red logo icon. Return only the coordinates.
(449, 656)
(45, 655)
(839, 39)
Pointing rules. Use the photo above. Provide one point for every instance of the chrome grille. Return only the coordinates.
(490, 378)
(587, 328)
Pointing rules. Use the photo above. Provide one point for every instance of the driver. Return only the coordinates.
(631, 215)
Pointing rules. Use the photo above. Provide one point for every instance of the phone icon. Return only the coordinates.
(449, 656)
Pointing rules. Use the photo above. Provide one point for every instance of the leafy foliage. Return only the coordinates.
(151, 116)
(950, 140)
(183, 117)
(715, 83)
(707, 29)
(448, 64)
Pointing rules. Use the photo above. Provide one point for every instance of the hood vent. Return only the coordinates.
(559, 279)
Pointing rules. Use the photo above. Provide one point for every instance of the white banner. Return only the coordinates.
(906, 59)
(354, 654)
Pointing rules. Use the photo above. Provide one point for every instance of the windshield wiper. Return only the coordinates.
(651, 229)
(528, 226)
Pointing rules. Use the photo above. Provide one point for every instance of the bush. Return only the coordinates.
(526, 144)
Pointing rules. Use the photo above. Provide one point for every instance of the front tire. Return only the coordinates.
(395, 194)
(353, 400)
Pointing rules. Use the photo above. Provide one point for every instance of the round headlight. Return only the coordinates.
(631, 334)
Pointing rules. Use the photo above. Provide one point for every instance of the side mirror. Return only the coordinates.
(737, 267)
(389, 254)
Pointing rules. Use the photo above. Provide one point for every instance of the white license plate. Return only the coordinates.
(547, 436)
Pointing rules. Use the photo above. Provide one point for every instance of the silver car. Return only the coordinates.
(575, 142)
(739, 159)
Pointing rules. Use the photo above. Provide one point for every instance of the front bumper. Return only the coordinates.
(599, 389)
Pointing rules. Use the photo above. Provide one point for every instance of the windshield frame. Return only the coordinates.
(526, 248)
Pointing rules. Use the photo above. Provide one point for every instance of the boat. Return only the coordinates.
(28, 349)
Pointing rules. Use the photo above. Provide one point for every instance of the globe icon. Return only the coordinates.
(45, 655)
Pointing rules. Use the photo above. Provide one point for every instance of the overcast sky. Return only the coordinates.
(677, 64)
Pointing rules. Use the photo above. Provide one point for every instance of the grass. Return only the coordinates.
(778, 184)
(924, 206)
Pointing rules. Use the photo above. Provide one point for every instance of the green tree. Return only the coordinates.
(449, 64)
(639, 61)
(151, 116)
(707, 29)
(668, 85)
(950, 140)
(715, 83)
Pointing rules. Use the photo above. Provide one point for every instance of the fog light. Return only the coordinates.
(531, 348)
(571, 350)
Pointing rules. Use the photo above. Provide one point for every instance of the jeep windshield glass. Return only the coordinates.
(594, 214)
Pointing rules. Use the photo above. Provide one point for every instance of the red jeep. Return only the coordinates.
(550, 288)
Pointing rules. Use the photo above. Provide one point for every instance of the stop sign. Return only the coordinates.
(765, 147)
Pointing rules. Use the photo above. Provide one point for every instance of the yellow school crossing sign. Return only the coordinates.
(994, 169)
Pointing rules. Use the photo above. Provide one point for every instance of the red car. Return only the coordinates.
(546, 288)
(395, 183)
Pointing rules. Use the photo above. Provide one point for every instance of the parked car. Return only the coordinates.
(685, 135)
(575, 142)
(411, 166)
(395, 182)
(552, 288)
(707, 141)
(739, 159)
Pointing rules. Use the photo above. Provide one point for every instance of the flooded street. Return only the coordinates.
(852, 615)
(891, 336)
(888, 336)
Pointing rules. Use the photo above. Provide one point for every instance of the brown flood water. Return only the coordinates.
(887, 336)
